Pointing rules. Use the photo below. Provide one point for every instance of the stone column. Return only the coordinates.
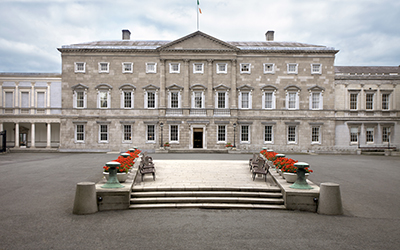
(33, 135)
(48, 135)
(233, 97)
(1, 126)
(16, 143)
(210, 84)
(162, 84)
(186, 93)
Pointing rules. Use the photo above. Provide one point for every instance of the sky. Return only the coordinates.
(367, 32)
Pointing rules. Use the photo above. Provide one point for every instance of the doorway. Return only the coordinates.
(197, 137)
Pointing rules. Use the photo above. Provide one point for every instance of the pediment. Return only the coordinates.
(245, 88)
(174, 87)
(151, 87)
(103, 86)
(269, 88)
(80, 86)
(198, 41)
(127, 86)
(316, 88)
(221, 87)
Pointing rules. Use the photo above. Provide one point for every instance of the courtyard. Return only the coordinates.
(38, 192)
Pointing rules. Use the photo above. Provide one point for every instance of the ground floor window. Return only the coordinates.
(291, 134)
(268, 136)
(80, 133)
(150, 133)
(103, 133)
(244, 133)
(221, 133)
(174, 133)
(353, 135)
(127, 133)
(315, 134)
(369, 135)
(385, 134)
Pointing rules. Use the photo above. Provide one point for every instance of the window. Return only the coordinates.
(127, 133)
(80, 99)
(269, 100)
(174, 68)
(198, 68)
(222, 68)
(40, 100)
(103, 99)
(291, 134)
(385, 134)
(268, 134)
(316, 100)
(369, 101)
(103, 133)
(151, 99)
(245, 68)
(127, 99)
(316, 68)
(79, 96)
(198, 99)
(385, 101)
(221, 100)
(150, 133)
(292, 100)
(174, 99)
(245, 100)
(80, 67)
(369, 135)
(151, 67)
(353, 135)
(292, 68)
(174, 133)
(25, 100)
(9, 100)
(103, 67)
(353, 101)
(79, 133)
(127, 67)
(221, 133)
(244, 133)
(269, 68)
(315, 134)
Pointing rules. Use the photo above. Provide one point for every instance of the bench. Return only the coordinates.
(146, 166)
(376, 149)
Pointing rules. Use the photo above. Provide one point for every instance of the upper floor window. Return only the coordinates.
(221, 100)
(316, 97)
(103, 96)
(104, 67)
(151, 67)
(245, 68)
(80, 67)
(127, 67)
(245, 97)
(151, 99)
(198, 68)
(198, 99)
(316, 68)
(292, 97)
(385, 101)
(174, 99)
(222, 68)
(80, 99)
(269, 68)
(292, 68)
(369, 101)
(9, 100)
(353, 101)
(174, 68)
(79, 96)
(127, 95)
(24, 99)
(151, 96)
(40, 100)
(269, 100)
(245, 100)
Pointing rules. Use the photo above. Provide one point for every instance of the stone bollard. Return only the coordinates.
(85, 198)
(330, 201)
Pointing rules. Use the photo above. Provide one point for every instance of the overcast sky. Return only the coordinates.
(367, 32)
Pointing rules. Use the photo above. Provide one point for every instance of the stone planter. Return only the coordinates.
(120, 176)
(292, 177)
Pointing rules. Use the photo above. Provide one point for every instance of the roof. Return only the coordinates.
(367, 70)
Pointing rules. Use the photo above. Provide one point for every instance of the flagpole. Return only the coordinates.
(197, 10)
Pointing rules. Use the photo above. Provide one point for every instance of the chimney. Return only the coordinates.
(270, 35)
(126, 35)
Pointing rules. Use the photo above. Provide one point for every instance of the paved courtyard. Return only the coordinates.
(37, 194)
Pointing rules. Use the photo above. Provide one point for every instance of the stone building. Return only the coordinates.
(201, 93)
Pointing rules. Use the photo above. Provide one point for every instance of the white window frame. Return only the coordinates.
(296, 102)
(272, 134)
(195, 71)
(194, 99)
(171, 135)
(249, 101)
(76, 67)
(295, 134)
(224, 134)
(124, 70)
(21, 99)
(147, 133)
(265, 67)
(369, 102)
(149, 69)
(243, 67)
(273, 101)
(222, 71)
(170, 93)
(107, 133)
(369, 134)
(295, 72)
(356, 101)
(76, 100)
(123, 99)
(241, 134)
(312, 135)
(83, 133)
(354, 132)
(10, 94)
(385, 134)
(387, 102)
(217, 99)
(320, 101)
(319, 71)
(101, 70)
(172, 70)
(127, 133)
(99, 92)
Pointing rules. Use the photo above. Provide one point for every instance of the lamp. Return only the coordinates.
(161, 143)
(234, 135)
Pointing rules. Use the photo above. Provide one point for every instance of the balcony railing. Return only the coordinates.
(174, 112)
(222, 112)
(198, 112)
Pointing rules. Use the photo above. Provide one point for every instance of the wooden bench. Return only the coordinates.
(261, 168)
(146, 166)
(376, 149)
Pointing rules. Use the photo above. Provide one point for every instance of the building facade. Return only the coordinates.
(199, 92)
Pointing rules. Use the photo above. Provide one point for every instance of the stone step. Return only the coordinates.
(205, 194)
(207, 206)
(239, 200)
(205, 188)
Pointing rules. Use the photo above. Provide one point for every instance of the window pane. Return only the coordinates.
(315, 134)
(151, 100)
(174, 132)
(127, 67)
(198, 99)
(292, 100)
(80, 132)
(127, 99)
(292, 134)
(385, 134)
(150, 132)
(127, 132)
(103, 99)
(268, 134)
(353, 101)
(244, 133)
(245, 100)
(268, 100)
(80, 98)
(315, 100)
(174, 100)
(221, 100)
(369, 135)
(103, 132)
(369, 101)
(385, 101)
(221, 133)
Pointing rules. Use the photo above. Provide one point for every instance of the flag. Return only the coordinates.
(199, 6)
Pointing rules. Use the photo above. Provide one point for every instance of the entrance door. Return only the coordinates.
(197, 138)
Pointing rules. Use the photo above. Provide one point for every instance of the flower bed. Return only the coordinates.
(126, 162)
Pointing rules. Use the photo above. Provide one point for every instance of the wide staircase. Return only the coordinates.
(143, 197)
